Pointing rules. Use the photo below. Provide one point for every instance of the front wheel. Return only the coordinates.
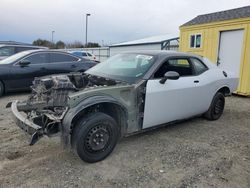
(216, 108)
(94, 137)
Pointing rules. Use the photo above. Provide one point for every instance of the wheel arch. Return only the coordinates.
(105, 104)
(112, 109)
(225, 90)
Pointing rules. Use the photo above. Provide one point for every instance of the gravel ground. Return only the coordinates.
(195, 153)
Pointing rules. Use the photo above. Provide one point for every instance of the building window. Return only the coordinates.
(195, 41)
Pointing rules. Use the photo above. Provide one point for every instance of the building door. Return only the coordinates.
(230, 48)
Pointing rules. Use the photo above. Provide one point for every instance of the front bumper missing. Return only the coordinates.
(26, 125)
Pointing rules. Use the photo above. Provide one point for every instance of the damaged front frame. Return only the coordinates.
(28, 126)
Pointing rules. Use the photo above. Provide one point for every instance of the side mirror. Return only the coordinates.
(24, 63)
(170, 75)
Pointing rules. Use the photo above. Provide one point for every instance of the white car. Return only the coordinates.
(127, 94)
(85, 54)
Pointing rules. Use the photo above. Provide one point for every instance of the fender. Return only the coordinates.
(85, 103)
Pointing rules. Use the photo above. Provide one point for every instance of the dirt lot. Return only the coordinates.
(195, 153)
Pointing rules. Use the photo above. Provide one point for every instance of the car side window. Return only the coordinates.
(59, 57)
(7, 51)
(180, 65)
(199, 67)
(39, 58)
(84, 54)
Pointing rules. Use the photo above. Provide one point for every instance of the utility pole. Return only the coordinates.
(52, 36)
(86, 41)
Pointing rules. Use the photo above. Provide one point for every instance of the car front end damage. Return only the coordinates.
(43, 112)
(46, 124)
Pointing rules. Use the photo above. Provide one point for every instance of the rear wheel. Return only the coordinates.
(1, 89)
(216, 108)
(95, 137)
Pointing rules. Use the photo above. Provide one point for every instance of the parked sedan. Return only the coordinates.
(18, 71)
(129, 93)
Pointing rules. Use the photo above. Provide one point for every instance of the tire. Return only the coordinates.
(216, 108)
(94, 137)
(1, 89)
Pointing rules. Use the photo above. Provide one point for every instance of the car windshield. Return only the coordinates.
(125, 67)
(13, 58)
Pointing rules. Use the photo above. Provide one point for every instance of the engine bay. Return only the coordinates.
(48, 102)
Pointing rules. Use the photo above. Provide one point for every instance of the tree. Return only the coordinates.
(76, 44)
(41, 42)
(60, 44)
(92, 45)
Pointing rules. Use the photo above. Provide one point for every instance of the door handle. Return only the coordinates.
(73, 66)
(196, 81)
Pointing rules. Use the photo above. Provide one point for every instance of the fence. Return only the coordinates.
(101, 53)
(172, 47)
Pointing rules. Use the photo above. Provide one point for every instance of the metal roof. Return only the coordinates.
(150, 40)
(242, 12)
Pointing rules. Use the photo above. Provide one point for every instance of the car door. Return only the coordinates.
(62, 63)
(23, 75)
(175, 99)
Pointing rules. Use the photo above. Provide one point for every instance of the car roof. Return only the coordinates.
(162, 53)
(47, 50)
(14, 43)
(19, 45)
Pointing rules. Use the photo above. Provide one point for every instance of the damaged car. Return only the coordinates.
(127, 94)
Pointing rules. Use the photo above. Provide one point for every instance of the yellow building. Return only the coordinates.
(223, 37)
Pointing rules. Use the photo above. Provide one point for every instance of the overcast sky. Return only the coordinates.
(111, 21)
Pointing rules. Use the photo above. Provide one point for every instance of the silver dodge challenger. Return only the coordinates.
(127, 94)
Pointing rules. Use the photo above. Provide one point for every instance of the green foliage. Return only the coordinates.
(92, 45)
(76, 44)
(60, 44)
(41, 42)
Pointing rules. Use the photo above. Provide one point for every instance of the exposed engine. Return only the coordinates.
(53, 90)
(48, 102)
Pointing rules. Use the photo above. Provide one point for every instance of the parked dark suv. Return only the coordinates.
(10, 48)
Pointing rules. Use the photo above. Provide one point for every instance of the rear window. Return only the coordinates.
(198, 66)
